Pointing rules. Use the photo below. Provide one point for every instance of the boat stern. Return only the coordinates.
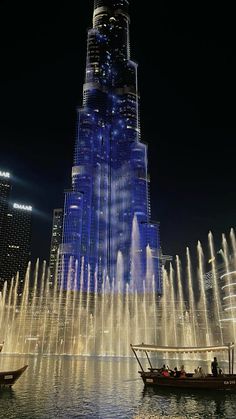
(8, 378)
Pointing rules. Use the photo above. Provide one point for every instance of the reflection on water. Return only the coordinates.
(77, 387)
(187, 404)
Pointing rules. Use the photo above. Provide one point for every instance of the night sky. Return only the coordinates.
(187, 70)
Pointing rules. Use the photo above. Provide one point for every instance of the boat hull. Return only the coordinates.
(8, 378)
(226, 382)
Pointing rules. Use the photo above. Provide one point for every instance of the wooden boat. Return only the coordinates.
(153, 377)
(8, 378)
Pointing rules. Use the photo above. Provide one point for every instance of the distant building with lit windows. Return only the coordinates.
(56, 238)
(17, 242)
(5, 190)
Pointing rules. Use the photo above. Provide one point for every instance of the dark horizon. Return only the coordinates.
(187, 111)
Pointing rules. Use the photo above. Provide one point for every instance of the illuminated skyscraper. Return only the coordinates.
(108, 209)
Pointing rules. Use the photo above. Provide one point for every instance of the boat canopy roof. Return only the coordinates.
(153, 348)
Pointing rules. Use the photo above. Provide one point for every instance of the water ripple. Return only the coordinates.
(100, 388)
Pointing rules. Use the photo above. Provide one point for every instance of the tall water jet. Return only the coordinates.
(22, 330)
(164, 308)
(112, 318)
(202, 300)
(3, 297)
(192, 305)
(217, 309)
(181, 302)
(136, 277)
(120, 278)
(46, 302)
(73, 338)
(173, 329)
(81, 294)
(9, 307)
(233, 243)
(33, 303)
(144, 308)
(40, 305)
(127, 322)
(95, 313)
(11, 329)
(54, 309)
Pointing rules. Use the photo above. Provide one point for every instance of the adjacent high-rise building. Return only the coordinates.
(17, 242)
(56, 239)
(107, 212)
(15, 232)
(5, 189)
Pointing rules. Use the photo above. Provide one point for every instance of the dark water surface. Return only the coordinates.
(64, 387)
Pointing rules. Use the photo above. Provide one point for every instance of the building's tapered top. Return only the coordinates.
(112, 4)
(111, 22)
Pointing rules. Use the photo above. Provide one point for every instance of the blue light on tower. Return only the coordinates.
(109, 201)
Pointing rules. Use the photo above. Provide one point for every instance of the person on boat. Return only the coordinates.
(165, 372)
(196, 373)
(214, 367)
(201, 372)
(171, 372)
(221, 371)
(182, 372)
(163, 368)
(176, 373)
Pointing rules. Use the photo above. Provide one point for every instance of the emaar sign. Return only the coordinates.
(4, 174)
(23, 207)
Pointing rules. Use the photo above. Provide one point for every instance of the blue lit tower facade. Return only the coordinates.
(109, 201)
